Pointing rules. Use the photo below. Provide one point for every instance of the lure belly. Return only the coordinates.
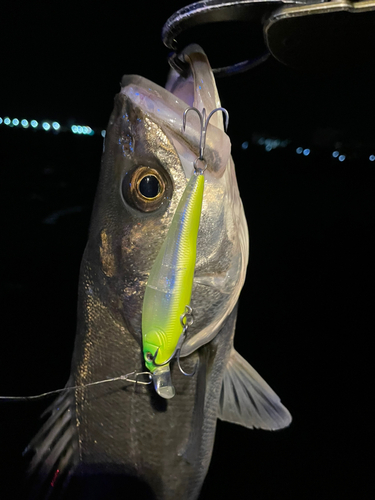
(169, 286)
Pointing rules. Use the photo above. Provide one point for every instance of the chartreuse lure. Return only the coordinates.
(166, 312)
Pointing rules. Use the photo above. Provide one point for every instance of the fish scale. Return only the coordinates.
(116, 443)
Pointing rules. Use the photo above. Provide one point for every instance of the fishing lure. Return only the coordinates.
(166, 312)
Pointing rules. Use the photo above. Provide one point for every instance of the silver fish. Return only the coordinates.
(119, 432)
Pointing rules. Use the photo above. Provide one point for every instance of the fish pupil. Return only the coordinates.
(149, 186)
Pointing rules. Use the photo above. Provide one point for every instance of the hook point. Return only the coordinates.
(181, 369)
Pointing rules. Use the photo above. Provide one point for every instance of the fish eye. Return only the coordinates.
(149, 186)
(146, 188)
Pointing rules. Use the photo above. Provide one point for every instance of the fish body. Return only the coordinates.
(109, 435)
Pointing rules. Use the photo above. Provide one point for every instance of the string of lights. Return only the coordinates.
(49, 125)
(340, 151)
(268, 143)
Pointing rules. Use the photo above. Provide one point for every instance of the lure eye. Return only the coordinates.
(146, 188)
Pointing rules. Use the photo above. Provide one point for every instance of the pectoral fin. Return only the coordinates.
(246, 399)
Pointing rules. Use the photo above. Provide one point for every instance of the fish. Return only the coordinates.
(120, 437)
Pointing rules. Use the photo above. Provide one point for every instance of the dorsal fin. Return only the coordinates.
(246, 399)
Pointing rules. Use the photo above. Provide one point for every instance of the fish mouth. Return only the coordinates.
(166, 106)
(197, 89)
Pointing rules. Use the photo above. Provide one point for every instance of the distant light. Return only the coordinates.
(56, 125)
(74, 129)
(15, 122)
(268, 147)
(91, 132)
(24, 123)
(85, 130)
(34, 123)
(7, 120)
(245, 145)
(46, 126)
(79, 129)
(306, 152)
(342, 157)
(102, 133)
(261, 141)
(335, 154)
(1, 121)
(284, 143)
(299, 150)
(276, 143)
(372, 157)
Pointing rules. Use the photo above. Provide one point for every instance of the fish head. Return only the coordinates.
(137, 194)
(147, 162)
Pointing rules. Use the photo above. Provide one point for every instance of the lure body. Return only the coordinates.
(168, 290)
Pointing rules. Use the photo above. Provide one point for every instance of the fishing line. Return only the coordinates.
(57, 391)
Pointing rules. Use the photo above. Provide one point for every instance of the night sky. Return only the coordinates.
(306, 312)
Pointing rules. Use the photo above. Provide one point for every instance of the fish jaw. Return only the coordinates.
(166, 109)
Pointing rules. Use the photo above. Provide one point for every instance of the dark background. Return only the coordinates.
(306, 312)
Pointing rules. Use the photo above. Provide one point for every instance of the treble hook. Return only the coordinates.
(189, 317)
(180, 367)
(176, 353)
(204, 125)
(151, 358)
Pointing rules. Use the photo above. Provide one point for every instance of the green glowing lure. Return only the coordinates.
(166, 312)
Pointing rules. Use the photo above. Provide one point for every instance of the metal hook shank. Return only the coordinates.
(202, 140)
